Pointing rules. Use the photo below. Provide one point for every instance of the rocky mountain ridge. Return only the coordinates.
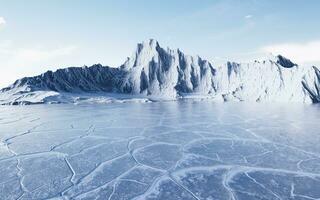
(157, 73)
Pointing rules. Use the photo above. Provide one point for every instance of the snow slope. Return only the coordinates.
(157, 73)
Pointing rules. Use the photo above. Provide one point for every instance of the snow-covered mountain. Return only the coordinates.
(157, 73)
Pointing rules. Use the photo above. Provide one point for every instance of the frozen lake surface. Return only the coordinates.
(168, 150)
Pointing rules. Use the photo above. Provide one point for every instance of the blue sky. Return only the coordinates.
(37, 35)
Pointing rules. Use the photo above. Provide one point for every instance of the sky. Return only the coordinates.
(41, 35)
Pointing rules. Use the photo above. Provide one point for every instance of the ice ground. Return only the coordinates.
(161, 150)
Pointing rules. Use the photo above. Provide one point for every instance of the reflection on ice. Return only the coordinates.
(168, 150)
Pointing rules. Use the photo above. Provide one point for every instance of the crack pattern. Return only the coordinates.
(159, 151)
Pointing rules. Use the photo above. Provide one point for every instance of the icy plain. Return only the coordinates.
(160, 150)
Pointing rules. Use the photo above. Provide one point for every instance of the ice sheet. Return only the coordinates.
(160, 150)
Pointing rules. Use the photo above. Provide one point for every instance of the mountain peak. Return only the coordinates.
(146, 51)
(152, 42)
(148, 44)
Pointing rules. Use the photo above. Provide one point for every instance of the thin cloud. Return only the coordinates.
(38, 55)
(307, 52)
(2, 21)
(248, 16)
(19, 62)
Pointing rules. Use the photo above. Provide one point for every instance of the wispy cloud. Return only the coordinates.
(16, 62)
(307, 52)
(2, 21)
(31, 55)
(248, 16)
(38, 55)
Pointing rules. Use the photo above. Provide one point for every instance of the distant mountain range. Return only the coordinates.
(155, 73)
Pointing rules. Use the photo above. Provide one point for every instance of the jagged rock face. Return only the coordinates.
(74, 79)
(262, 81)
(311, 84)
(153, 70)
(156, 72)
